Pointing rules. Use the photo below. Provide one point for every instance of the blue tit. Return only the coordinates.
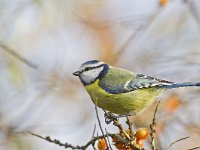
(121, 91)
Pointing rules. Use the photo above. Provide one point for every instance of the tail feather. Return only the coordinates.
(178, 85)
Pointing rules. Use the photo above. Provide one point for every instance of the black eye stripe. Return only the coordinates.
(90, 68)
(87, 68)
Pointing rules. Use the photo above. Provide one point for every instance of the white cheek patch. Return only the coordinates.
(91, 75)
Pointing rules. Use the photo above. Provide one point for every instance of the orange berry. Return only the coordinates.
(163, 2)
(114, 139)
(120, 145)
(173, 103)
(139, 144)
(141, 134)
(102, 144)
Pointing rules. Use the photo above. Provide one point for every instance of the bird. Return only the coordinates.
(120, 91)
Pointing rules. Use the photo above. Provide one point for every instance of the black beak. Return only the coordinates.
(76, 73)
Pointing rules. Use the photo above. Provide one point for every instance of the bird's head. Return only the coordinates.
(91, 70)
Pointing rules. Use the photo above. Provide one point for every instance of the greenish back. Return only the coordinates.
(115, 80)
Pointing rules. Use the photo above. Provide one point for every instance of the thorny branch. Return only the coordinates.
(122, 136)
(112, 118)
(129, 125)
(152, 128)
(67, 145)
(94, 139)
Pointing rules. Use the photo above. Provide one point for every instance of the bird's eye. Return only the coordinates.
(86, 69)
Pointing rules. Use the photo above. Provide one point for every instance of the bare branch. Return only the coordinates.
(67, 145)
(94, 130)
(195, 148)
(100, 124)
(181, 139)
(152, 128)
(129, 125)
(108, 139)
(16, 55)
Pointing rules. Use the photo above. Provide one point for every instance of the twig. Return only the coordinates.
(108, 139)
(181, 139)
(123, 136)
(93, 145)
(130, 38)
(129, 125)
(152, 128)
(67, 145)
(94, 130)
(16, 55)
(112, 118)
(100, 124)
(195, 148)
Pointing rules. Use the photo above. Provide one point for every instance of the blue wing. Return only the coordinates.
(122, 81)
(142, 81)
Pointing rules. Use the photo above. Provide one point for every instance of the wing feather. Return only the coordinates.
(142, 81)
(119, 81)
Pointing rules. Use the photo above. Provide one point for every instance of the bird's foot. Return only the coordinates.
(109, 117)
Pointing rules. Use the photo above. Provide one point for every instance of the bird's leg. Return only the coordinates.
(109, 117)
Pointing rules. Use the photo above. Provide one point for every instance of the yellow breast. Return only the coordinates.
(123, 103)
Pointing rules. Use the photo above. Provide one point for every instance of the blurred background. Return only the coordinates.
(43, 41)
